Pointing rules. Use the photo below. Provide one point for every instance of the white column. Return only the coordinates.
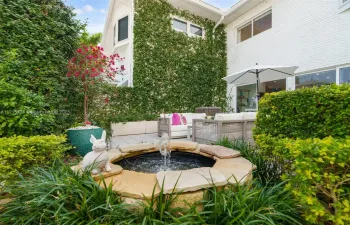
(290, 83)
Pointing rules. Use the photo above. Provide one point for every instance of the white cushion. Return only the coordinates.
(192, 116)
(249, 115)
(230, 116)
(175, 128)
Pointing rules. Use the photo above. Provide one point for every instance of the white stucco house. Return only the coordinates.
(311, 34)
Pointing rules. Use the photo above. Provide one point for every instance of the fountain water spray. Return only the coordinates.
(164, 149)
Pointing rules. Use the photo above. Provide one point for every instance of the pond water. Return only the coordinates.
(155, 162)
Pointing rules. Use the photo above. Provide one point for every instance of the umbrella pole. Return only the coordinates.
(257, 90)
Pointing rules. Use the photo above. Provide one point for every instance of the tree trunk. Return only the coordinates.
(86, 114)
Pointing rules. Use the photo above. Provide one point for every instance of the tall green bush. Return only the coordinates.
(44, 35)
(22, 112)
(18, 154)
(316, 112)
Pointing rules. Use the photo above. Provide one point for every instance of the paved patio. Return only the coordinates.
(138, 139)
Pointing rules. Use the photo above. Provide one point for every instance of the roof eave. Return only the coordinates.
(240, 8)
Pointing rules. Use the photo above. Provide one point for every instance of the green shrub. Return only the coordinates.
(318, 173)
(18, 153)
(58, 195)
(316, 112)
(43, 39)
(321, 178)
(21, 112)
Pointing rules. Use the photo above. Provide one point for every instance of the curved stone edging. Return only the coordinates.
(131, 184)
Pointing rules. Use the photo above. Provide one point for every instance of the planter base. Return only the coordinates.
(80, 139)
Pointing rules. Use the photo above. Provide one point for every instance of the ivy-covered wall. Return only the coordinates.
(172, 71)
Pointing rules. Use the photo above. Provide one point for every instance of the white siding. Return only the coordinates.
(311, 34)
(121, 8)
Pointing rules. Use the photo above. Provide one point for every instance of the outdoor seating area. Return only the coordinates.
(207, 131)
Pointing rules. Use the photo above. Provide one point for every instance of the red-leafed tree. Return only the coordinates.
(91, 65)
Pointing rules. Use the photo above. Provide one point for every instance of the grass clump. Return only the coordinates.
(58, 195)
(250, 204)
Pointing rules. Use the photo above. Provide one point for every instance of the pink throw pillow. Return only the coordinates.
(183, 120)
(176, 119)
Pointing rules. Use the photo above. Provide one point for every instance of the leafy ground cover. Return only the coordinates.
(57, 195)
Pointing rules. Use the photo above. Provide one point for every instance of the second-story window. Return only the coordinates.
(195, 30)
(255, 27)
(179, 25)
(187, 27)
(123, 28)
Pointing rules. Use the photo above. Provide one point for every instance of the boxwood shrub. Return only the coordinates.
(18, 153)
(316, 112)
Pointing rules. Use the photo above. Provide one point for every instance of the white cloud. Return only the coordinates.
(85, 9)
(103, 11)
(95, 27)
(88, 8)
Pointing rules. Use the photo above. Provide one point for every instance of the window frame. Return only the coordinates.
(241, 28)
(343, 6)
(116, 38)
(251, 22)
(178, 30)
(315, 72)
(188, 27)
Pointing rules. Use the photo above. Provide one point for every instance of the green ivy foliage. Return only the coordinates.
(174, 72)
(19, 154)
(316, 112)
(44, 35)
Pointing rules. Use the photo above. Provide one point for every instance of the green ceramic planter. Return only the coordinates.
(80, 139)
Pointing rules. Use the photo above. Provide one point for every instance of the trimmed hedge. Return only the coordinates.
(318, 174)
(316, 112)
(18, 153)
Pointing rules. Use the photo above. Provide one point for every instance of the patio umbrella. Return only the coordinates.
(261, 73)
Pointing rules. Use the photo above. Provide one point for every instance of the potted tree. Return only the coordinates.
(90, 65)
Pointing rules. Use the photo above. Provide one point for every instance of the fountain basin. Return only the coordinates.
(136, 181)
(134, 184)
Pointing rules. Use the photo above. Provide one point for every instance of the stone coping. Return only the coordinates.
(190, 180)
(135, 185)
(116, 169)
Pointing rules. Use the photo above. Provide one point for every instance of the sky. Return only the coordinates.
(95, 11)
